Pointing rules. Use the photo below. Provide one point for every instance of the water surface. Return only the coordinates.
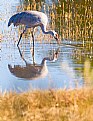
(72, 69)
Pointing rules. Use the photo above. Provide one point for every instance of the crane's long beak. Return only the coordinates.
(57, 39)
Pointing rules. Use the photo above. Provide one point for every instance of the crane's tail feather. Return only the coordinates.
(9, 23)
(14, 19)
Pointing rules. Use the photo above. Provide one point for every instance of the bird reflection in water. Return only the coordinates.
(32, 71)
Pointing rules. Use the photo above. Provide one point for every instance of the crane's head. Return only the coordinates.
(56, 37)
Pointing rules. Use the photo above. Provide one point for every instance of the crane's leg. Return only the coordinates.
(21, 35)
(22, 55)
(33, 47)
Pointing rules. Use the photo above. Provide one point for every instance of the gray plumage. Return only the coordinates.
(32, 19)
(29, 19)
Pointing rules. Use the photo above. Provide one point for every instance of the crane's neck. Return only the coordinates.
(43, 63)
(43, 27)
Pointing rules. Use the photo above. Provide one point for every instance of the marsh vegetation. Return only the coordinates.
(66, 94)
(49, 105)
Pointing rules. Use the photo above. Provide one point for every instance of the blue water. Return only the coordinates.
(61, 74)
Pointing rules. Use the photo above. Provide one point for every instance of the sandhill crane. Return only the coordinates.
(32, 71)
(32, 19)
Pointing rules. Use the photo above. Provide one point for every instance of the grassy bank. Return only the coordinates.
(52, 105)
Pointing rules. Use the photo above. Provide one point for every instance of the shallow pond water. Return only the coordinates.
(72, 69)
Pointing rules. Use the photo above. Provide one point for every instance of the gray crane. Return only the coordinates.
(32, 19)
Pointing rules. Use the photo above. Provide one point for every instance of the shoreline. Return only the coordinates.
(49, 105)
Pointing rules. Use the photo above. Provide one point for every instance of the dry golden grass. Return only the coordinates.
(51, 105)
